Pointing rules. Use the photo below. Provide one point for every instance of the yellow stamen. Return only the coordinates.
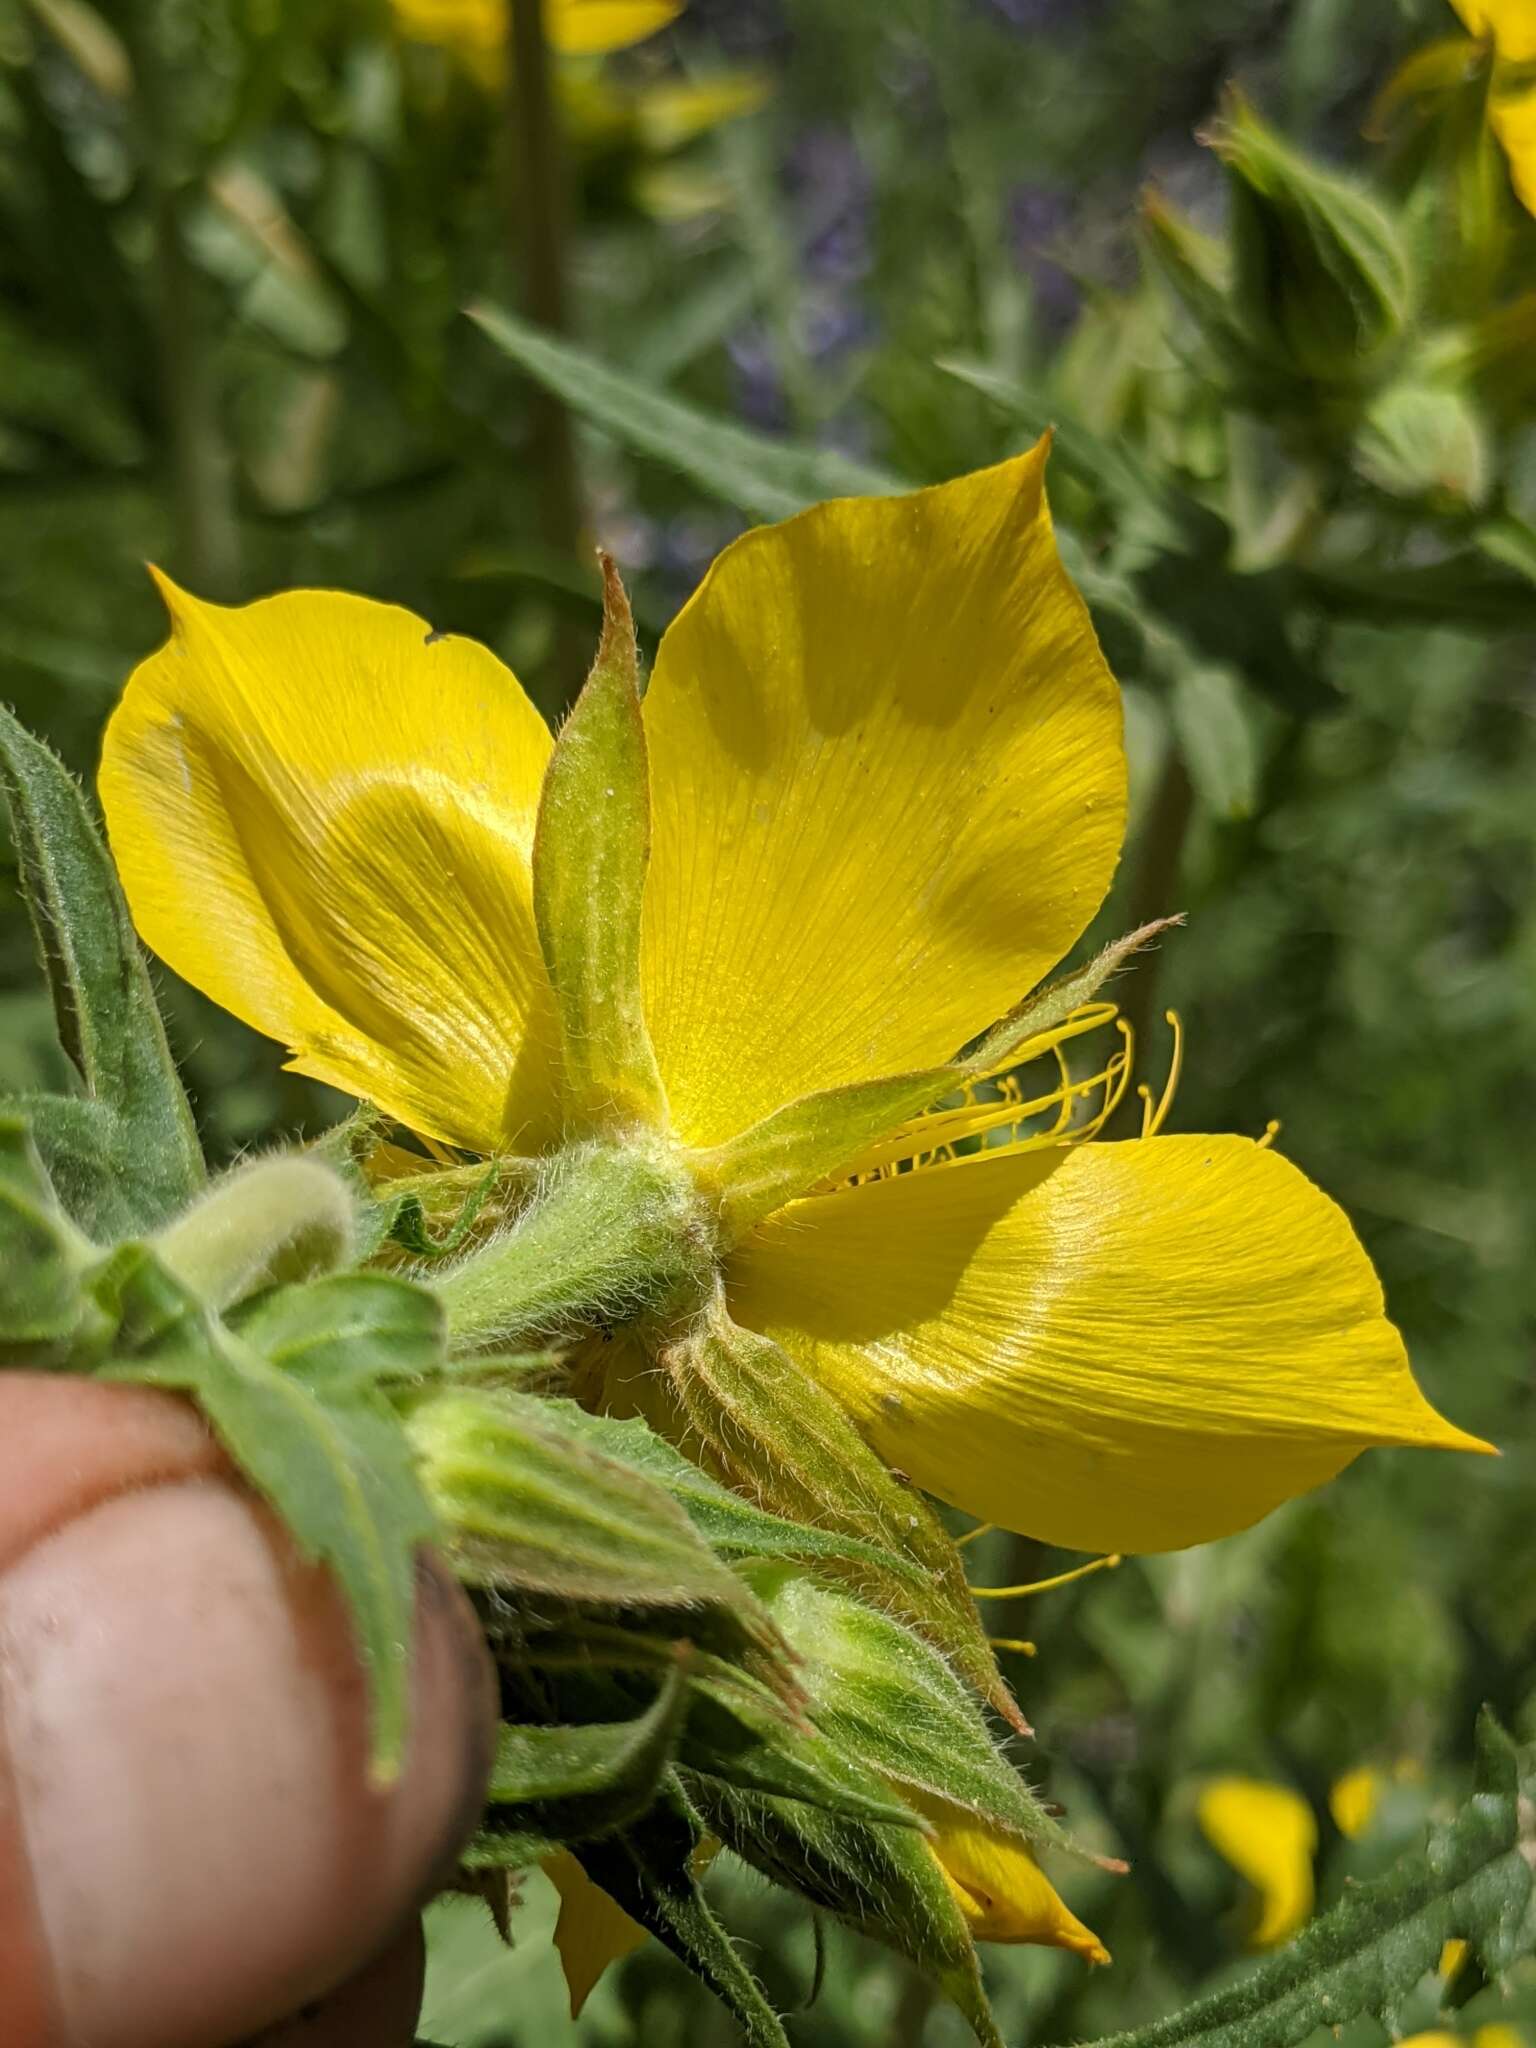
(1152, 1120)
(981, 1529)
(1082, 1571)
(1017, 1643)
(1271, 1132)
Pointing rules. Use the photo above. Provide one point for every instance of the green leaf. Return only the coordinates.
(46, 1315)
(889, 1699)
(647, 1869)
(529, 1510)
(348, 1332)
(1472, 1881)
(590, 854)
(1215, 735)
(883, 1881)
(763, 478)
(774, 1435)
(332, 1458)
(108, 1021)
(555, 1785)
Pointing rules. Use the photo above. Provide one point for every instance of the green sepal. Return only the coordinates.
(733, 1527)
(47, 1317)
(809, 1141)
(647, 1869)
(554, 1785)
(768, 1431)
(590, 853)
(1472, 1881)
(269, 1222)
(528, 1510)
(887, 1698)
(742, 1737)
(883, 1881)
(108, 1022)
(348, 1332)
(1321, 283)
(330, 1456)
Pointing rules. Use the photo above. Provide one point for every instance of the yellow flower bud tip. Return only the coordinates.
(1453, 1957)
(999, 1887)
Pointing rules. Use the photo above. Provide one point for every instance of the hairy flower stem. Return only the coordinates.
(615, 1231)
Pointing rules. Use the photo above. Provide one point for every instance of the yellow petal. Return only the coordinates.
(592, 1930)
(998, 1885)
(1498, 2035)
(477, 29)
(586, 28)
(1115, 1347)
(323, 816)
(1353, 1800)
(1268, 1834)
(1453, 1957)
(1434, 2037)
(888, 792)
(1514, 122)
(1510, 23)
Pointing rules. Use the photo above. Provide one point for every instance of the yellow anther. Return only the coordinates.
(1016, 1643)
(1271, 1132)
(1082, 1571)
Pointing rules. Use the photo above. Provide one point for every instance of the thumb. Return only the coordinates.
(189, 1847)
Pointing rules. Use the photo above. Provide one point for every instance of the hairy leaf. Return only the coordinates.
(107, 1018)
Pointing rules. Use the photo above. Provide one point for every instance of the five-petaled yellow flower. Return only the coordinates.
(887, 794)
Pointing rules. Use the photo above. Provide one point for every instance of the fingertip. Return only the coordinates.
(187, 1730)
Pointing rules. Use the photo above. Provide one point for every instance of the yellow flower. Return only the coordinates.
(1269, 1836)
(1510, 26)
(475, 31)
(887, 793)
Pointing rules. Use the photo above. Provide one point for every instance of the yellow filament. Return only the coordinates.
(1016, 1643)
(1082, 1571)
(981, 1529)
(1271, 1132)
(1152, 1120)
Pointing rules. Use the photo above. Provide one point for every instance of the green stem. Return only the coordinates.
(537, 222)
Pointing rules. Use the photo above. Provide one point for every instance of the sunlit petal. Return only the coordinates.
(1114, 1347)
(888, 792)
(323, 813)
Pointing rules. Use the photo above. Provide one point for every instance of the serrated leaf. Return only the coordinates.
(763, 478)
(1215, 736)
(47, 1316)
(108, 1021)
(332, 1459)
(883, 1881)
(527, 1509)
(889, 1699)
(774, 1435)
(1472, 1882)
(590, 854)
(646, 1869)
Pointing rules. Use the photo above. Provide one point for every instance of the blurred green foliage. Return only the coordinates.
(236, 239)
